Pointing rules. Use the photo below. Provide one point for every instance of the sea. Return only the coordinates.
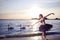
(24, 26)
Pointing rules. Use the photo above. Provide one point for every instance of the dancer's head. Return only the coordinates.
(40, 15)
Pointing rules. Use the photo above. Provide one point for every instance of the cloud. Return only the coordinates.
(17, 5)
(49, 0)
(49, 3)
(52, 5)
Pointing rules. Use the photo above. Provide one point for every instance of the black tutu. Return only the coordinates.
(45, 27)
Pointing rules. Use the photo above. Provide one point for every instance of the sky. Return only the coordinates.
(26, 9)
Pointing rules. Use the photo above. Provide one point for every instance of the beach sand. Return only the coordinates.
(31, 38)
(28, 38)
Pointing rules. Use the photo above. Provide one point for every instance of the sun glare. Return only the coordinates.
(36, 38)
(34, 11)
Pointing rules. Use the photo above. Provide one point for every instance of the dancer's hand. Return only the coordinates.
(53, 13)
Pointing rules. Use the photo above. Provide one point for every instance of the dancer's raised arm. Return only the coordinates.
(48, 15)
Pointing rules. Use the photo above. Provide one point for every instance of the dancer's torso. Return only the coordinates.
(42, 21)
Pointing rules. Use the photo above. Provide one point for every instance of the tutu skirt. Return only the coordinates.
(45, 27)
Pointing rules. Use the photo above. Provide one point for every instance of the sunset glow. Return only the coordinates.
(27, 9)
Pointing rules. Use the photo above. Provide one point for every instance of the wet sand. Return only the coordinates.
(30, 38)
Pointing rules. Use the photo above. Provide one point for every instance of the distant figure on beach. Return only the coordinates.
(44, 27)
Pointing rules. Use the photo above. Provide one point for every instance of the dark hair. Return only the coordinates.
(41, 15)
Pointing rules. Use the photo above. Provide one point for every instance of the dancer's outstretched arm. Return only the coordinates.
(48, 15)
(36, 22)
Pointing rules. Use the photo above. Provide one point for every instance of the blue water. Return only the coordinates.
(26, 24)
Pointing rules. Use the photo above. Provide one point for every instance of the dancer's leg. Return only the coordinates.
(43, 35)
